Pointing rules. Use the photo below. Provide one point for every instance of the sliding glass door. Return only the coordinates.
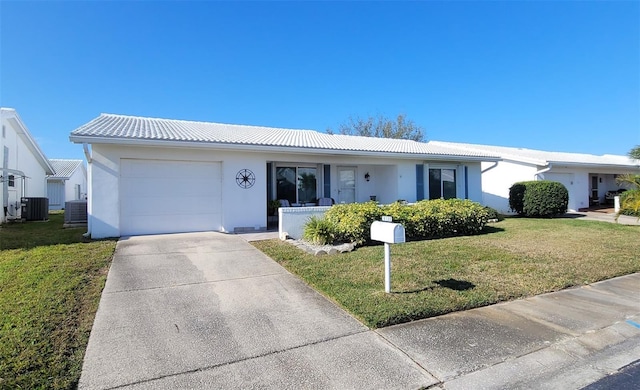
(297, 184)
(442, 183)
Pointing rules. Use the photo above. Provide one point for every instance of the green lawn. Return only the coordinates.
(50, 285)
(515, 258)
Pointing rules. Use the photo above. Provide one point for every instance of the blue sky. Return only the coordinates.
(562, 76)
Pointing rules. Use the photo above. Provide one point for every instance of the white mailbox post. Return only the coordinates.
(389, 233)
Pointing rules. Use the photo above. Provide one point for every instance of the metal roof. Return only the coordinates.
(543, 158)
(63, 168)
(111, 128)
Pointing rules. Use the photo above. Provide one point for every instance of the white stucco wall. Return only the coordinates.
(497, 181)
(291, 220)
(79, 177)
(498, 178)
(242, 207)
(390, 179)
(21, 158)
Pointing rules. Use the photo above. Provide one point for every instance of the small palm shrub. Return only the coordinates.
(630, 203)
(318, 231)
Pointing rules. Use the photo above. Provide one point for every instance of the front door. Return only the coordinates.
(346, 185)
(594, 189)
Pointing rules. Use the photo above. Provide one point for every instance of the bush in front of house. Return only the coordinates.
(542, 198)
(630, 203)
(352, 222)
(422, 220)
(440, 218)
(318, 231)
(493, 214)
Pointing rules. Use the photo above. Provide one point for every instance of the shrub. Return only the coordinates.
(422, 220)
(441, 218)
(493, 213)
(516, 197)
(630, 203)
(318, 231)
(542, 198)
(352, 222)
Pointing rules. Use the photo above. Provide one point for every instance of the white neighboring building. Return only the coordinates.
(68, 183)
(150, 175)
(588, 177)
(23, 165)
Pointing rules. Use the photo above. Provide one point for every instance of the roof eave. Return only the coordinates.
(596, 165)
(12, 115)
(272, 148)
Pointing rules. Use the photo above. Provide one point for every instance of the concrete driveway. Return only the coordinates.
(208, 310)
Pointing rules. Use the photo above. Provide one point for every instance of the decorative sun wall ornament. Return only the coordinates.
(245, 178)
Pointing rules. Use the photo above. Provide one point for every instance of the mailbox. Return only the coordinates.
(387, 232)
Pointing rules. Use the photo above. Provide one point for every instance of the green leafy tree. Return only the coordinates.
(635, 152)
(381, 127)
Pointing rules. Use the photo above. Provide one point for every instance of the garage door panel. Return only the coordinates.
(150, 187)
(186, 206)
(166, 169)
(161, 196)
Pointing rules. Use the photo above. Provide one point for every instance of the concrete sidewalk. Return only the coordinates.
(207, 310)
(605, 217)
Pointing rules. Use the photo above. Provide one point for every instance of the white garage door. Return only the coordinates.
(159, 196)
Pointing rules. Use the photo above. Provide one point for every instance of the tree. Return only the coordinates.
(635, 152)
(381, 127)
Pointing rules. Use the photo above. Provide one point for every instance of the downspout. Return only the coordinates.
(87, 154)
(495, 164)
(542, 171)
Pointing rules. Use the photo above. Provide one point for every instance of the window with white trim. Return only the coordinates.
(11, 181)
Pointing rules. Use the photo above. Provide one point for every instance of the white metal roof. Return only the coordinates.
(64, 168)
(111, 128)
(543, 158)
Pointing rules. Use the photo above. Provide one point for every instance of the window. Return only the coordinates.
(296, 184)
(12, 181)
(442, 183)
(4, 131)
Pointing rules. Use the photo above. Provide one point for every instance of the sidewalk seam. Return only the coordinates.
(201, 369)
(192, 284)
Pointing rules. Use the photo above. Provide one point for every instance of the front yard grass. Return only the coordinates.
(50, 285)
(514, 258)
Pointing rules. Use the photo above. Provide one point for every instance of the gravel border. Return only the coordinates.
(321, 250)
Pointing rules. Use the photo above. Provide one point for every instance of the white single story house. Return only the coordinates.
(23, 165)
(68, 183)
(588, 178)
(150, 176)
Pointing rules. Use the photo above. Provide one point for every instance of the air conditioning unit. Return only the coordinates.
(35, 209)
(75, 211)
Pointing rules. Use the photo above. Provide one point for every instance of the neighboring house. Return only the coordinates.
(590, 179)
(23, 165)
(148, 175)
(68, 183)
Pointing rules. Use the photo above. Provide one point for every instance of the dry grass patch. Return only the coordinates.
(516, 258)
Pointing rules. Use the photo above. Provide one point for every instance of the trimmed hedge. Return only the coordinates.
(542, 198)
(422, 220)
